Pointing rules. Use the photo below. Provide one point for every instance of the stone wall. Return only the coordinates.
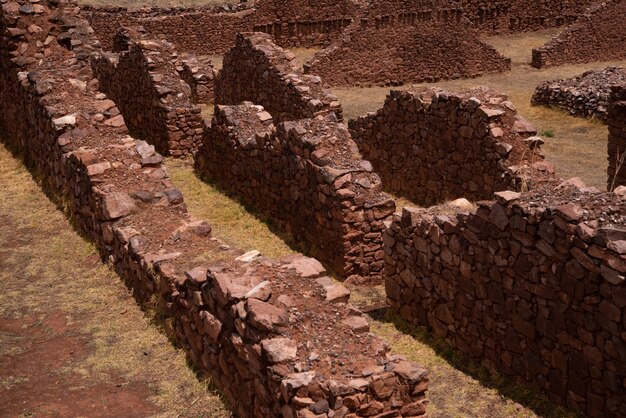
(257, 70)
(533, 287)
(617, 138)
(432, 146)
(399, 52)
(306, 23)
(241, 320)
(302, 176)
(599, 35)
(586, 95)
(212, 30)
(199, 73)
(494, 16)
(153, 99)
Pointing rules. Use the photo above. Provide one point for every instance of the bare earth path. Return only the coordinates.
(73, 342)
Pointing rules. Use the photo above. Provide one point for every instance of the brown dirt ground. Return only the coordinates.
(73, 342)
(577, 147)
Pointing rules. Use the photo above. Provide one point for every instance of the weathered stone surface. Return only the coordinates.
(117, 205)
(279, 350)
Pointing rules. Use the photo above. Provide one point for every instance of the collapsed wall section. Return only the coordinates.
(304, 177)
(432, 146)
(398, 52)
(617, 138)
(586, 95)
(598, 35)
(261, 328)
(259, 71)
(153, 99)
(533, 287)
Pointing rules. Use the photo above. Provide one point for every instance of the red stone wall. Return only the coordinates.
(242, 321)
(397, 51)
(152, 97)
(306, 23)
(586, 95)
(304, 178)
(599, 35)
(617, 138)
(433, 146)
(199, 73)
(257, 70)
(533, 287)
(212, 30)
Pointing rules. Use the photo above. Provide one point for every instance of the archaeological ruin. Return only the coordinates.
(586, 95)
(519, 270)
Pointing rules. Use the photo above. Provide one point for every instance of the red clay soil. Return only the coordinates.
(48, 347)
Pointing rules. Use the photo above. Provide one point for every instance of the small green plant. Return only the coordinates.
(548, 133)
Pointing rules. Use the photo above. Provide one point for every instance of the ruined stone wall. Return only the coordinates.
(494, 16)
(399, 52)
(303, 176)
(199, 73)
(599, 35)
(212, 30)
(432, 146)
(617, 138)
(586, 95)
(241, 321)
(532, 286)
(307, 23)
(257, 70)
(153, 99)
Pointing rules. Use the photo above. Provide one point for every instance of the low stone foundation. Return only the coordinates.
(257, 70)
(433, 146)
(154, 101)
(533, 286)
(304, 177)
(586, 95)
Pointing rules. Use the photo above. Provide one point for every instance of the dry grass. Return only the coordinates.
(135, 4)
(230, 220)
(578, 147)
(45, 266)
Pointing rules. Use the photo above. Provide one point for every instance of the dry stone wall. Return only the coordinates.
(586, 95)
(599, 35)
(153, 99)
(617, 138)
(432, 146)
(241, 319)
(212, 30)
(257, 70)
(306, 23)
(494, 16)
(399, 52)
(303, 176)
(199, 73)
(532, 286)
